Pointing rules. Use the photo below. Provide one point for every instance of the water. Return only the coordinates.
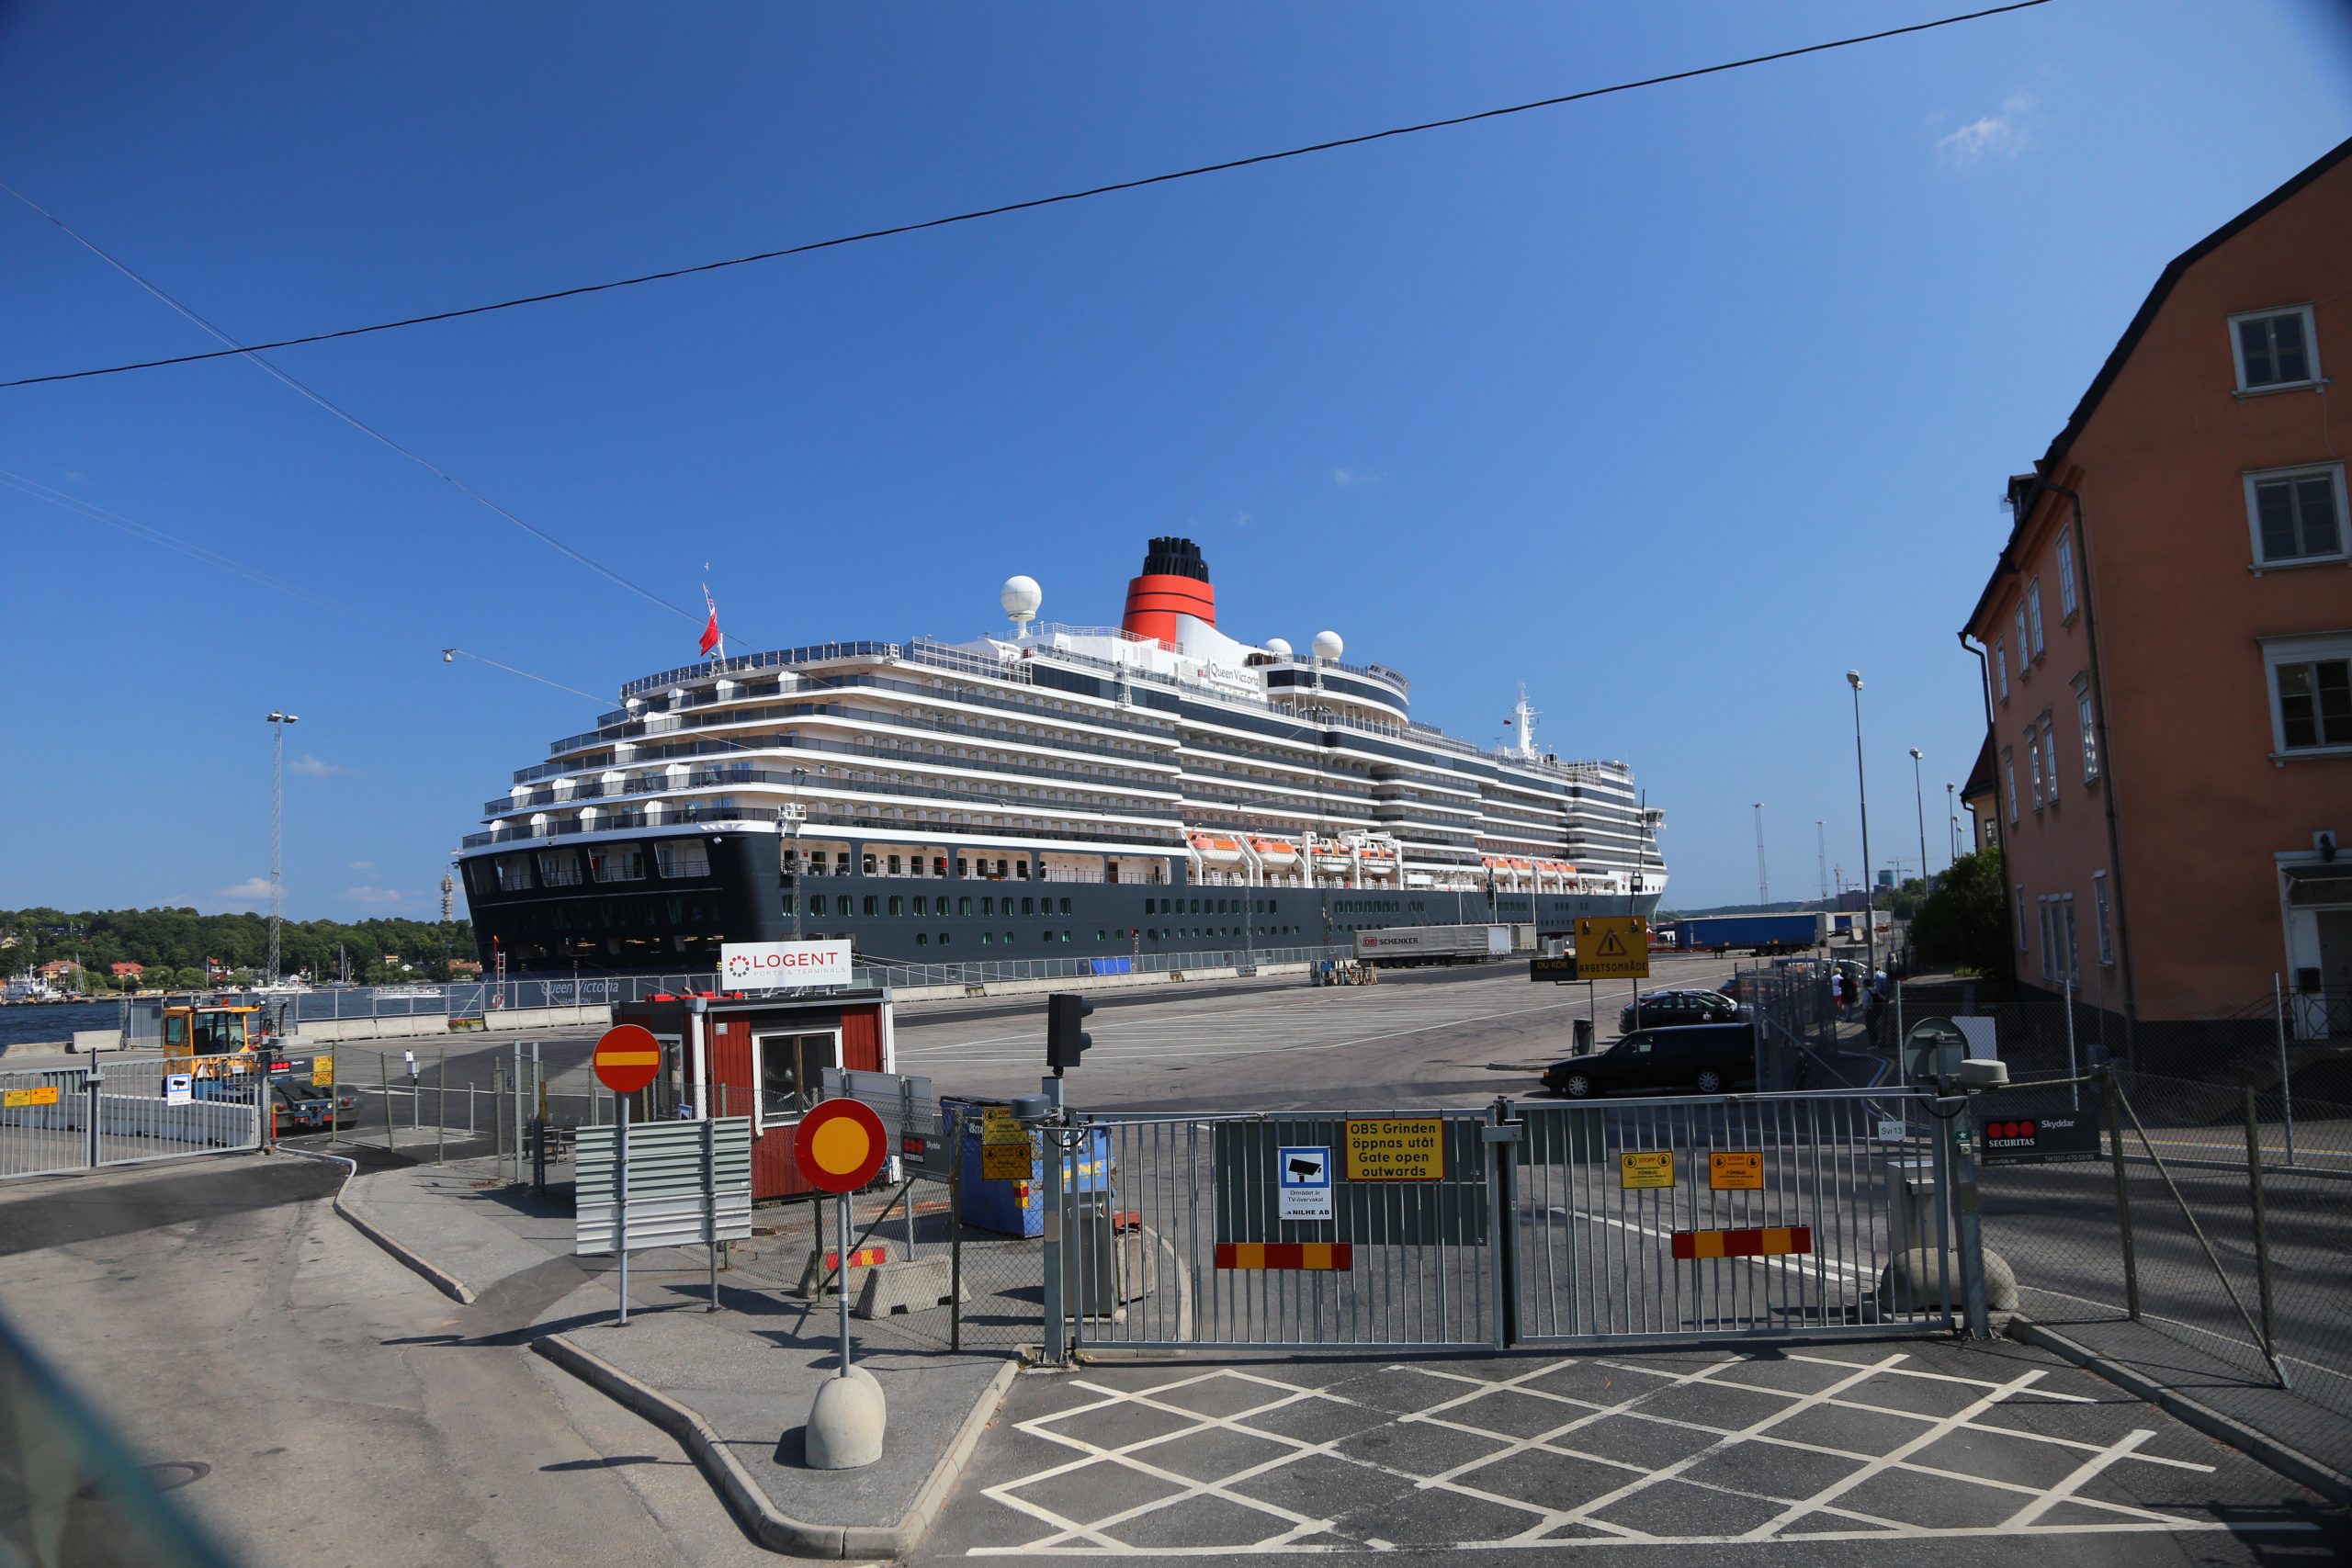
(55, 1020)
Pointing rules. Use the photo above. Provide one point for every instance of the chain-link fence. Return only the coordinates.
(2181, 1226)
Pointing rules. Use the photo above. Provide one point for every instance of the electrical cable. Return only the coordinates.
(1034, 202)
(346, 415)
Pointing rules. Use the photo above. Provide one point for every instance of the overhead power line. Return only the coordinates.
(346, 415)
(1034, 202)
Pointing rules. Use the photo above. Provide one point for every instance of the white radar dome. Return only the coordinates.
(1020, 596)
(1328, 645)
(1278, 648)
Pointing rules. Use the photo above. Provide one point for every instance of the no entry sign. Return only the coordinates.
(627, 1058)
(840, 1145)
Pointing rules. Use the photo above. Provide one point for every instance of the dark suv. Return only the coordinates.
(1707, 1058)
(1672, 1010)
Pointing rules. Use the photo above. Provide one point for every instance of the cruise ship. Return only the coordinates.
(1099, 793)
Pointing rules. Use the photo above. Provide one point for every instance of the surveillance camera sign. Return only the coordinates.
(1303, 1182)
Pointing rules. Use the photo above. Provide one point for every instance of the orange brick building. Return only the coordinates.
(2167, 643)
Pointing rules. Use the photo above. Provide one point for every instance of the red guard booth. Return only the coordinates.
(763, 1057)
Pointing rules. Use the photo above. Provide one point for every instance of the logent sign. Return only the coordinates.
(771, 966)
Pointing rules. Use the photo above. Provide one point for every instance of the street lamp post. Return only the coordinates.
(1919, 800)
(1951, 813)
(1863, 788)
(278, 722)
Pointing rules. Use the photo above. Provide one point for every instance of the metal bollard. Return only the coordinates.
(2123, 1198)
(2261, 1234)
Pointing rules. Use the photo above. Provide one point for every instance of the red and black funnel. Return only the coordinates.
(1175, 582)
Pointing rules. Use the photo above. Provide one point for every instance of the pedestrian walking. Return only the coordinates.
(1837, 992)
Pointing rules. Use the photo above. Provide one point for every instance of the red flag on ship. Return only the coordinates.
(711, 636)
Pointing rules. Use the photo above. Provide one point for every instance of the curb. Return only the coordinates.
(2295, 1466)
(440, 1278)
(771, 1527)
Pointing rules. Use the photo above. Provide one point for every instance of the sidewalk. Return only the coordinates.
(734, 1386)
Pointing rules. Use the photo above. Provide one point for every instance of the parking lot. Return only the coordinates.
(1842, 1450)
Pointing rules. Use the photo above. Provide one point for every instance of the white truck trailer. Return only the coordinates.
(1434, 944)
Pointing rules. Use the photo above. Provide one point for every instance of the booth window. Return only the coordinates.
(790, 1068)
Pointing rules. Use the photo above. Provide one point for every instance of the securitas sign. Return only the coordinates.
(2040, 1140)
(772, 966)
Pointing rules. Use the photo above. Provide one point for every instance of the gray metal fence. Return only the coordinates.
(122, 1112)
(1704, 1216)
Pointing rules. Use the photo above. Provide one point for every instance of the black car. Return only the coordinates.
(1674, 1009)
(1708, 1058)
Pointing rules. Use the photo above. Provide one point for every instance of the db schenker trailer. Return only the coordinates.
(1752, 933)
(1435, 944)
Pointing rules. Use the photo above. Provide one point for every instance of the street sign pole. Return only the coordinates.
(620, 1206)
(840, 1209)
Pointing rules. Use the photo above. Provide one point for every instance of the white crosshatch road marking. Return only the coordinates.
(1826, 1512)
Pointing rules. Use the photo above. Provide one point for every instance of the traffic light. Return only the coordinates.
(1066, 1041)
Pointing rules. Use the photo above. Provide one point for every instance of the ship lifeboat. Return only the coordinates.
(1216, 851)
(1279, 854)
(1330, 856)
(1379, 863)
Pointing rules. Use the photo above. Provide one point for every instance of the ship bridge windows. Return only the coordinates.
(559, 868)
(617, 862)
(513, 873)
(682, 857)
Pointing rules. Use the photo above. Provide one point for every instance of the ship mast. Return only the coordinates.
(1523, 721)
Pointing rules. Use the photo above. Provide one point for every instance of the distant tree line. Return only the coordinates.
(175, 946)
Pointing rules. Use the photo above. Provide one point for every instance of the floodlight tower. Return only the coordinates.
(278, 722)
(1763, 882)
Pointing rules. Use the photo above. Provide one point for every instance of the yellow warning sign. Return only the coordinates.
(12, 1098)
(322, 1071)
(1397, 1148)
(1649, 1168)
(1007, 1162)
(1735, 1172)
(1000, 1129)
(1613, 947)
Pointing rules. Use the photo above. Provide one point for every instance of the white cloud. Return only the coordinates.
(310, 767)
(363, 865)
(251, 888)
(372, 895)
(1344, 476)
(2002, 135)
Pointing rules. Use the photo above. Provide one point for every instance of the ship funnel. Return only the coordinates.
(1175, 582)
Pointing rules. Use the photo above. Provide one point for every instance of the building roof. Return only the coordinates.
(2025, 491)
(1980, 777)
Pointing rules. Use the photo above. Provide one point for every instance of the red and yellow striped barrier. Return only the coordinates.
(1773, 1241)
(1317, 1255)
(863, 1258)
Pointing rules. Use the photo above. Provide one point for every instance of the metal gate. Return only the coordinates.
(1174, 1236)
(1517, 1223)
(58, 1120)
(1764, 1214)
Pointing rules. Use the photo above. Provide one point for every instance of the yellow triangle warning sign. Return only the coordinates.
(1613, 947)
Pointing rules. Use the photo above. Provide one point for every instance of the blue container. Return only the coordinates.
(1017, 1208)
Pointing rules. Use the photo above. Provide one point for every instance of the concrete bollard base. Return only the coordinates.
(1913, 1281)
(845, 1423)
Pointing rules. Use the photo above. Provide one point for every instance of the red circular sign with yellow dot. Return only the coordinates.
(840, 1145)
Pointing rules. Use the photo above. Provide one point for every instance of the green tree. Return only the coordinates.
(1965, 922)
(190, 978)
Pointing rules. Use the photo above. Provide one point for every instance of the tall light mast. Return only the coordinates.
(277, 723)
(1763, 882)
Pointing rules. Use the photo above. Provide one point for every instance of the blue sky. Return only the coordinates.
(1673, 405)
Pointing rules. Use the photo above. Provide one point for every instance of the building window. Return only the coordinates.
(2001, 667)
(2311, 693)
(2275, 348)
(2082, 720)
(2050, 749)
(2033, 613)
(2019, 890)
(2297, 515)
(869, 905)
(2025, 648)
(682, 857)
(2066, 601)
(2106, 921)
(2033, 761)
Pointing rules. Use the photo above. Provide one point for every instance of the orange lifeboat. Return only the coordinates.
(1213, 850)
(1278, 854)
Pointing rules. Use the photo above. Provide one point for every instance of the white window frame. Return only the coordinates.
(2049, 751)
(2255, 477)
(2311, 349)
(2104, 899)
(2033, 761)
(2281, 650)
(2001, 666)
(2009, 769)
(2025, 648)
(2067, 602)
(2033, 612)
(2086, 720)
(759, 1038)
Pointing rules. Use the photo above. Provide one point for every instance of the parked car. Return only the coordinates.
(1674, 1009)
(1708, 1058)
